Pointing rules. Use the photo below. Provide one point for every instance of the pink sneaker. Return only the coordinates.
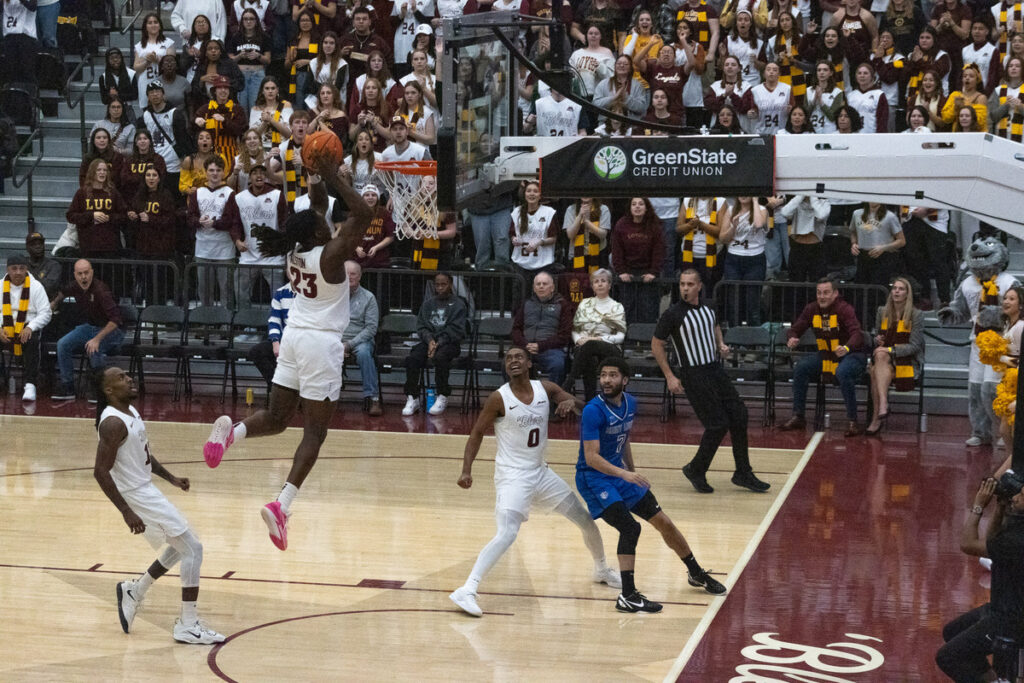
(221, 438)
(277, 523)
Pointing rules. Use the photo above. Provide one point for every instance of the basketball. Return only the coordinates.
(322, 144)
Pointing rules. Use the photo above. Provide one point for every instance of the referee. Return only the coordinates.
(697, 338)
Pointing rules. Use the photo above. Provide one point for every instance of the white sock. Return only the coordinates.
(239, 432)
(600, 565)
(142, 584)
(189, 615)
(287, 495)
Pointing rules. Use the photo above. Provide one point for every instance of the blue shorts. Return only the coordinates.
(600, 490)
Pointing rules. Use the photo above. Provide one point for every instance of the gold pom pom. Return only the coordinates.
(991, 347)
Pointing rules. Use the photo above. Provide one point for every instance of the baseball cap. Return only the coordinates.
(17, 260)
(33, 236)
(396, 120)
(423, 30)
(155, 85)
(220, 82)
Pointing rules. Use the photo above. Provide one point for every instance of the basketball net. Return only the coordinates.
(413, 189)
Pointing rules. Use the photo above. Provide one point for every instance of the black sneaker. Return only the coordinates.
(636, 602)
(706, 582)
(699, 481)
(64, 392)
(749, 480)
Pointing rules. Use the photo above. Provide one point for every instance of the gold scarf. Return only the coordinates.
(826, 331)
(13, 326)
(710, 252)
(1004, 28)
(310, 51)
(1011, 127)
(296, 180)
(904, 380)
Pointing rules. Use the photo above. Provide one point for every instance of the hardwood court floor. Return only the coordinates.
(380, 535)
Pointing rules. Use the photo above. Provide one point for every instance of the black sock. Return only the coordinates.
(156, 570)
(628, 587)
(691, 563)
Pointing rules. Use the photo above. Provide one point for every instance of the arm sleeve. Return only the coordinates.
(663, 330)
(801, 324)
(848, 320)
(110, 308)
(423, 328)
(275, 323)
(455, 329)
(590, 423)
(916, 344)
(76, 213)
(192, 214)
(39, 301)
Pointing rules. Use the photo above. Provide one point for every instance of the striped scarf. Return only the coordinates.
(904, 379)
(699, 19)
(710, 252)
(296, 180)
(826, 331)
(1004, 28)
(311, 52)
(789, 72)
(275, 136)
(933, 214)
(915, 79)
(1012, 126)
(585, 248)
(989, 297)
(427, 253)
(226, 145)
(13, 326)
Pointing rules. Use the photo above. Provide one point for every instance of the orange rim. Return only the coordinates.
(411, 167)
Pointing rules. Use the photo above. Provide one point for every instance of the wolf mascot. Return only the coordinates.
(977, 300)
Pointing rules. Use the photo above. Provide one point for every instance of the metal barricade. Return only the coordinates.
(489, 294)
(234, 285)
(141, 281)
(781, 302)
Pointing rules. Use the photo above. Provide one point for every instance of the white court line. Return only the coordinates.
(748, 552)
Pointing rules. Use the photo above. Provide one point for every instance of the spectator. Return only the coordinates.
(75, 33)
(98, 211)
(603, 14)
(421, 119)
(295, 177)
(638, 250)
(330, 68)
(193, 168)
(591, 63)
(660, 113)
(442, 325)
(435, 253)
(1006, 106)
(358, 166)
(175, 86)
(831, 46)
(983, 54)
(857, 24)
(401, 149)
(187, 11)
(663, 73)
(727, 122)
(1013, 328)
(890, 66)
(264, 354)
(952, 23)
(824, 99)
(543, 326)
(641, 38)
(47, 12)
(259, 204)
(152, 46)
(153, 217)
(193, 46)
(899, 350)
(533, 231)
(98, 335)
(783, 47)
(405, 17)
(586, 223)
(869, 100)
(876, 239)
(798, 122)
(699, 224)
(225, 120)
(929, 95)
(270, 114)
(42, 269)
(848, 121)
(927, 56)
(319, 9)
(369, 114)
(260, 7)
(598, 330)
(768, 103)
(116, 79)
(926, 233)
(249, 48)
(168, 128)
(744, 236)
(969, 95)
(841, 353)
(917, 120)
(622, 90)
(691, 56)
(744, 44)
(557, 116)
(100, 147)
(26, 311)
(1011, 40)
(729, 90)
(360, 42)
(374, 250)
(358, 340)
(422, 73)
(904, 20)
(118, 123)
(328, 113)
(806, 216)
(215, 70)
(704, 19)
(213, 219)
(251, 154)
(135, 166)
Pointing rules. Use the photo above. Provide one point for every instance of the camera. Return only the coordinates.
(1008, 486)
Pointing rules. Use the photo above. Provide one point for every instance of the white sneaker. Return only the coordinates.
(127, 604)
(29, 393)
(609, 577)
(440, 403)
(975, 441)
(986, 563)
(196, 634)
(412, 406)
(221, 437)
(466, 600)
(1001, 443)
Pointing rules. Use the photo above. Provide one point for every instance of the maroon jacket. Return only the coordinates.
(636, 248)
(850, 334)
(133, 173)
(156, 236)
(93, 237)
(96, 305)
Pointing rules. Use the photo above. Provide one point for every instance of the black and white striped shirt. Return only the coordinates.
(692, 331)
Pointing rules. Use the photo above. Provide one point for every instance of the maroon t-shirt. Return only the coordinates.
(671, 80)
(381, 227)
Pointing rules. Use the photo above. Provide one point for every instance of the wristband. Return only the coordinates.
(978, 510)
(889, 349)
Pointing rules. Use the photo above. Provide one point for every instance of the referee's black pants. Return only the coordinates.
(721, 410)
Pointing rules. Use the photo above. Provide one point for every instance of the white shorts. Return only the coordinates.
(310, 362)
(520, 490)
(161, 518)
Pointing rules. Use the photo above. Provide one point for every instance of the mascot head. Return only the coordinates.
(987, 257)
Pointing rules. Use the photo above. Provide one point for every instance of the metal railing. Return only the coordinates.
(78, 102)
(36, 134)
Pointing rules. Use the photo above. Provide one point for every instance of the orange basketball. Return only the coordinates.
(322, 144)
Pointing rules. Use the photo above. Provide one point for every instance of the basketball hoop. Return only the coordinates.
(413, 201)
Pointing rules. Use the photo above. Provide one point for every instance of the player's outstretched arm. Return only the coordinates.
(565, 402)
(493, 408)
(112, 434)
(350, 233)
(161, 471)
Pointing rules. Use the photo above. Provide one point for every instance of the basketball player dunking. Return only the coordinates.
(124, 470)
(310, 360)
(519, 411)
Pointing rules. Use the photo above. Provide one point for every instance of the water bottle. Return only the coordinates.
(431, 396)
(828, 420)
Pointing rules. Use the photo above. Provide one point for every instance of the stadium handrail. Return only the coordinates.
(77, 102)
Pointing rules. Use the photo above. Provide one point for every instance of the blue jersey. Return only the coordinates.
(609, 424)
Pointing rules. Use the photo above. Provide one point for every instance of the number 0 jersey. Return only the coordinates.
(522, 433)
(318, 304)
(610, 424)
(132, 467)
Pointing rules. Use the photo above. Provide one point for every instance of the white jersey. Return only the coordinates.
(161, 129)
(304, 202)
(258, 211)
(211, 243)
(318, 304)
(132, 467)
(557, 119)
(405, 33)
(537, 225)
(19, 19)
(749, 241)
(866, 104)
(982, 56)
(771, 107)
(152, 70)
(746, 54)
(522, 433)
(822, 123)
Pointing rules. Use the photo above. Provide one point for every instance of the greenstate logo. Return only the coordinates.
(610, 163)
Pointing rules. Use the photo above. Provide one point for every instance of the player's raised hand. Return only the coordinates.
(465, 480)
(133, 521)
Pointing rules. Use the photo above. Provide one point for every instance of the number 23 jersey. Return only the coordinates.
(318, 304)
(522, 433)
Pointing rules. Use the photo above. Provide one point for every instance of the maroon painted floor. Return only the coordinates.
(862, 560)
